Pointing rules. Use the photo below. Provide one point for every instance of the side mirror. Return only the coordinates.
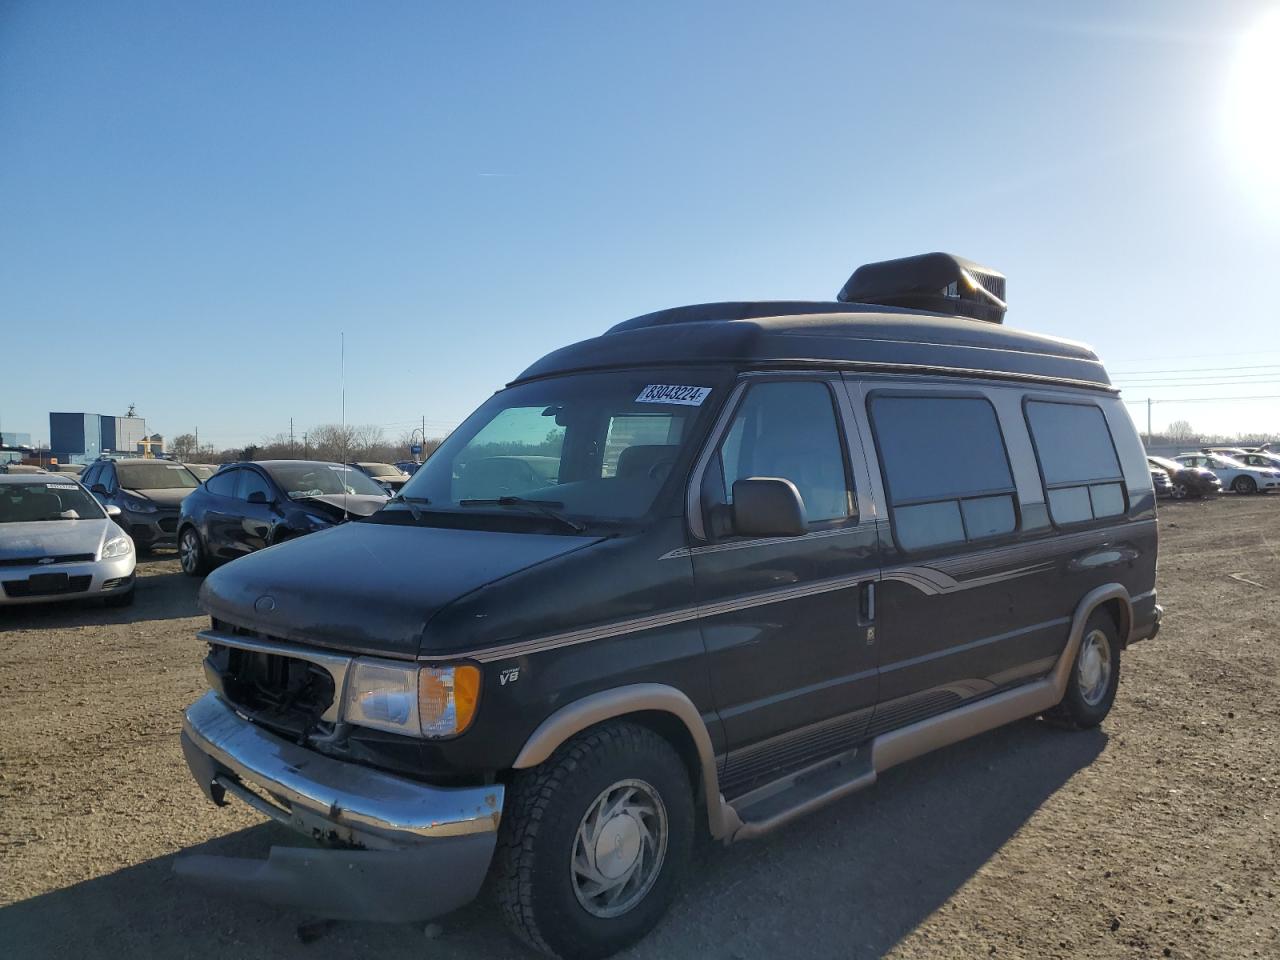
(112, 510)
(98, 488)
(768, 507)
(257, 496)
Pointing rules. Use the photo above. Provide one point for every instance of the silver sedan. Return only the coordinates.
(58, 543)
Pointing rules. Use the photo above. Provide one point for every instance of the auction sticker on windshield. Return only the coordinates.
(668, 393)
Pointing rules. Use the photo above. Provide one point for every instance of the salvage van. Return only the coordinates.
(699, 575)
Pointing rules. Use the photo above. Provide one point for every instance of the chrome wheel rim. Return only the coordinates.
(619, 848)
(188, 551)
(1093, 668)
(1180, 491)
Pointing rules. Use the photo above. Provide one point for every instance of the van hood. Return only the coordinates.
(369, 587)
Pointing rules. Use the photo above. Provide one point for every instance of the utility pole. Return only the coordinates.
(197, 441)
(291, 449)
(1148, 421)
(306, 450)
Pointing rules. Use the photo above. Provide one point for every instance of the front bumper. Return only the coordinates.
(406, 851)
(159, 529)
(85, 579)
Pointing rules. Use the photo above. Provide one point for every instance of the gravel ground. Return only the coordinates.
(1157, 835)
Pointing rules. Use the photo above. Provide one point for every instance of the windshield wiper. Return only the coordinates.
(409, 502)
(544, 507)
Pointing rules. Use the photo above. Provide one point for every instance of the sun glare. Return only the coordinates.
(1253, 106)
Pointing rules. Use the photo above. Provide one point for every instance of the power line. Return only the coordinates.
(1269, 396)
(1166, 384)
(1215, 371)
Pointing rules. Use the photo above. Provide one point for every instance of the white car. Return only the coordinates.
(1259, 458)
(1239, 477)
(58, 543)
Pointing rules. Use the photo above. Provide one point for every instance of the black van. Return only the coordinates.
(699, 575)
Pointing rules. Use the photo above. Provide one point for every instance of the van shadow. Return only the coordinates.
(160, 596)
(849, 881)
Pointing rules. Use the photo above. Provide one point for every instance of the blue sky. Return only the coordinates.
(196, 199)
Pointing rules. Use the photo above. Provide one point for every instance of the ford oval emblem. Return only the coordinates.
(46, 560)
(265, 604)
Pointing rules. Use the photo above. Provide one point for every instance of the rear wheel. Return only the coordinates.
(594, 842)
(191, 553)
(1245, 485)
(1095, 676)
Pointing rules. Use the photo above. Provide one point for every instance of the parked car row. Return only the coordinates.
(1208, 471)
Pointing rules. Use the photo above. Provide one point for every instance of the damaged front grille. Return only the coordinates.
(287, 694)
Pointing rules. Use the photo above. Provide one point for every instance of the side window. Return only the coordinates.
(785, 429)
(223, 484)
(253, 482)
(1078, 461)
(946, 471)
(109, 478)
(90, 477)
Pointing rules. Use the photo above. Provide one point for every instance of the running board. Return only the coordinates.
(782, 801)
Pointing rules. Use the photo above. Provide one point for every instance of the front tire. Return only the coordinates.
(1245, 485)
(595, 842)
(1181, 491)
(191, 553)
(1095, 676)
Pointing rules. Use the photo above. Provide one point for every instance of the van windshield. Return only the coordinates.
(592, 447)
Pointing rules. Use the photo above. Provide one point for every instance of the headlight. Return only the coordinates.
(117, 547)
(138, 505)
(410, 700)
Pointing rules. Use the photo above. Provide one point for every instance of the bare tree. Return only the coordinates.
(183, 446)
(1180, 431)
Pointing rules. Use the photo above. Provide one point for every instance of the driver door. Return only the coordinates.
(790, 632)
(259, 513)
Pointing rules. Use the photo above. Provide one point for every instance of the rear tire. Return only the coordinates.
(191, 553)
(1095, 676)
(1245, 485)
(594, 842)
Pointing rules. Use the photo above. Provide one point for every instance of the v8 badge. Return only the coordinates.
(510, 675)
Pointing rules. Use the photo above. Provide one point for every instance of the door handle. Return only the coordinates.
(867, 603)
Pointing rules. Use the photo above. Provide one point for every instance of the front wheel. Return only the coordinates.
(1245, 485)
(1095, 676)
(1181, 491)
(191, 553)
(594, 842)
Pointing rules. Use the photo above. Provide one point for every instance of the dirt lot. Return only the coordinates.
(1158, 835)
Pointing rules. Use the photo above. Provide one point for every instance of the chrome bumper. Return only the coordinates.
(411, 851)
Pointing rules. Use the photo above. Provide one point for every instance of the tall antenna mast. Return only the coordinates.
(342, 384)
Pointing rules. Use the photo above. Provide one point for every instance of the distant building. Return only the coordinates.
(152, 446)
(10, 439)
(83, 437)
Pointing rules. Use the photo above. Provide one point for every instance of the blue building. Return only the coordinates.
(83, 437)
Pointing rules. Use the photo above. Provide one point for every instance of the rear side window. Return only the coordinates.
(223, 484)
(945, 468)
(1078, 461)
